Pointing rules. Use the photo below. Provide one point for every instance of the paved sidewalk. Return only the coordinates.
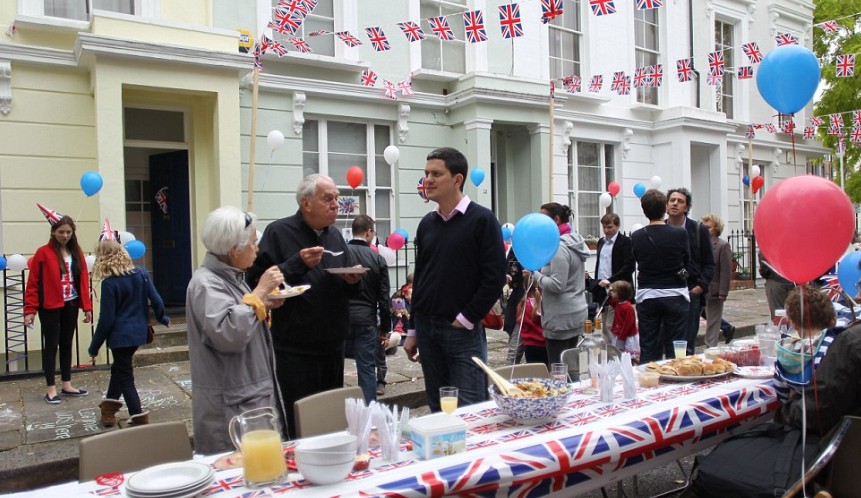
(39, 442)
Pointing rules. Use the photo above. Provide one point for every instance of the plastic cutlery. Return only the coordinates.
(333, 253)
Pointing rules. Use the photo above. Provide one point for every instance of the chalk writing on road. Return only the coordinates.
(68, 424)
(153, 399)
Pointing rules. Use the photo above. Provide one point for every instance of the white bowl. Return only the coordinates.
(324, 474)
(329, 442)
(324, 457)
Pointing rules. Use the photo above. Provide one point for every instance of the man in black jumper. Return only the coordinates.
(459, 273)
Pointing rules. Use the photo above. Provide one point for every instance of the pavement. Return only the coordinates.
(39, 442)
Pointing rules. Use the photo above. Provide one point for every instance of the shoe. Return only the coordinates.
(80, 392)
(52, 401)
(109, 408)
(139, 419)
(729, 334)
(381, 389)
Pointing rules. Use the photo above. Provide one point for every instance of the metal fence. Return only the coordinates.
(744, 250)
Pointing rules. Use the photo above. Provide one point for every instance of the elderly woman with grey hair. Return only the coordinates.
(229, 343)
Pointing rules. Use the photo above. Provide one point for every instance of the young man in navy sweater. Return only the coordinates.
(459, 274)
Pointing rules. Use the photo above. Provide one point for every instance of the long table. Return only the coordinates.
(591, 444)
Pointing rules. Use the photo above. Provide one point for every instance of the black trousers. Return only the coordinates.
(58, 329)
(122, 381)
(302, 375)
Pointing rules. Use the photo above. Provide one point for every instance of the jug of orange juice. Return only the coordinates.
(255, 434)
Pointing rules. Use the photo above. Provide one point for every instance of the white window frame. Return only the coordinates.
(577, 32)
(577, 193)
(728, 85)
(648, 56)
(456, 23)
(36, 8)
(302, 33)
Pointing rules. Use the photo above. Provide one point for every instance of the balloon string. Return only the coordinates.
(794, 160)
(80, 210)
(268, 166)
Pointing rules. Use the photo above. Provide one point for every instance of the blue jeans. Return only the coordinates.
(362, 343)
(661, 320)
(446, 357)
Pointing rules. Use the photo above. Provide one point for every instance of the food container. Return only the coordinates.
(742, 353)
(438, 435)
(649, 379)
(533, 411)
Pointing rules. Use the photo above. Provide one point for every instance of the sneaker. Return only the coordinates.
(80, 392)
(381, 389)
(52, 401)
(730, 333)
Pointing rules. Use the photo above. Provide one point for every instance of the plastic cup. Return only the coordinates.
(559, 371)
(680, 348)
(448, 399)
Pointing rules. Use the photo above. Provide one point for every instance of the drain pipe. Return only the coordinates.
(691, 39)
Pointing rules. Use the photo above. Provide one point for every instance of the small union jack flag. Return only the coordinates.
(596, 83)
(816, 121)
(618, 79)
(225, 484)
(745, 73)
(836, 119)
(161, 198)
(750, 134)
(808, 133)
(845, 66)
(440, 27)
(550, 9)
(406, 86)
(716, 64)
(310, 5)
(294, 6)
(751, 50)
(789, 127)
(855, 135)
(829, 26)
(391, 90)
(473, 25)
(481, 444)
(412, 31)
(552, 89)
(378, 39)
(769, 128)
(348, 38)
(625, 87)
(714, 80)
(841, 144)
(258, 493)
(300, 44)
(685, 69)
(573, 84)
(832, 288)
(319, 32)
(649, 4)
(856, 118)
(509, 21)
(347, 205)
(657, 74)
(369, 78)
(785, 39)
(640, 77)
(278, 48)
(112, 491)
(286, 22)
(514, 436)
(602, 7)
(833, 129)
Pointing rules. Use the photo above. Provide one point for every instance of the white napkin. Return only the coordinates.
(627, 372)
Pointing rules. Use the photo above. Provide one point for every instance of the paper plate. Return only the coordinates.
(169, 478)
(297, 290)
(347, 271)
(755, 372)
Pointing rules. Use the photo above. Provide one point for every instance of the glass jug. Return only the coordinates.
(255, 434)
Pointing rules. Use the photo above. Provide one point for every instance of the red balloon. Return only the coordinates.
(756, 183)
(811, 206)
(355, 175)
(395, 241)
(613, 188)
(374, 248)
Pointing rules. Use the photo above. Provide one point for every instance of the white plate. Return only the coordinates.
(642, 368)
(297, 290)
(169, 478)
(755, 372)
(184, 493)
(347, 271)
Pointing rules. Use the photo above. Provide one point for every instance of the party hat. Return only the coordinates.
(52, 216)
(108, 233)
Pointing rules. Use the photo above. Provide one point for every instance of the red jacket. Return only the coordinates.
(43, 284)
(624, 321)
(531, 332)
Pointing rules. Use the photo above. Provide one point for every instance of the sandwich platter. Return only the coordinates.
(691, 368)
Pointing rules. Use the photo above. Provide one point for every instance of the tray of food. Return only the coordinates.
(690, 368)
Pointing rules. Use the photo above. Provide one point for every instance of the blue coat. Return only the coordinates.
(123, 317)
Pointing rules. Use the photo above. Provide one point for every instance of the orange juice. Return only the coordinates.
(262, 458)
(448, 404)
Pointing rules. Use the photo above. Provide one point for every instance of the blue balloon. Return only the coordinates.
(477, 176)
(848, 273)
(535, 240)
(639, 190)
(745, 180)
(404, 233)
(91, 183)
(135, 248)
(506, 234)
(788, 77)
(2, 263)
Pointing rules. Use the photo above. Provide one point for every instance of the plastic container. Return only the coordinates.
(649, 379)
(438, 435)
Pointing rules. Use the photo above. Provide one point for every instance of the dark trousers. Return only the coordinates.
(58, 328)
(380, 362)
(301, 375)
(661, 320)
(693, 326)
(536, 354)
(122, 381)
(556, 346)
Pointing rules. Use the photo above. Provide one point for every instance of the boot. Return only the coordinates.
(110, 407)
(139, 419)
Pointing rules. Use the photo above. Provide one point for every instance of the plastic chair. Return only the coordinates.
(571, 357)
(133, 448)
(535, 370)
(323, 412)
(841, 452)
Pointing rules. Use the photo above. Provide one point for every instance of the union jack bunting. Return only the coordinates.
(714, 80)
(684, 69)
(378, 39)
(294, 6)
(602, 7)
(808, 133)
(319, 32)
(406, 86)
(412, 31)
(573, 84)
(750, 134)
(391, 90)
(310, 4)
(596, 83)
(369, 78)
(268, 44)
(509, 21)
(769, 128)
(550, 9)
(285, 22)
(473, 25)
(789, 127)
(785, 39)
(841, 144)
(716, 64)
(829, 26)
(649, 4)
(618, 79)
(657, 74)
(855, 134)
(751, 50)
(348, 38)
(836, 119)
(845, 66)
(856, 118)
(625, 87)
(816, 121)
(440, 27)
(745, 73)
(833, 129)
(641, 77)
(301, 45)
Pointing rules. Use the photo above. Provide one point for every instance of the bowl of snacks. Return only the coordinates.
(534, 402)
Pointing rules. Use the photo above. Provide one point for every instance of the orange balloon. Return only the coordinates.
(355, 175)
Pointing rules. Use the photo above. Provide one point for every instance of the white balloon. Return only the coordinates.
(755, 171)
(91, 260)
(391, 154)
(275, 139)
(657, 182)
(388, 254)
(16, 262)
(636, 226)
(605, 200)
(126, 237)
(259, 236)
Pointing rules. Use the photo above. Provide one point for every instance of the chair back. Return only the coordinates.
(571, 357)
(323, 412)
(840, 456)
(133, 448)
(535, 370)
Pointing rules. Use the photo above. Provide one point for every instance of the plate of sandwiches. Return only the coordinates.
(690, 368)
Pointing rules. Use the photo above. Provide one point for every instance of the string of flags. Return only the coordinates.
(835, 126)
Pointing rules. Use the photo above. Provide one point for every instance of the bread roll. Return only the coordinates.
(667, 370)
(710, 369)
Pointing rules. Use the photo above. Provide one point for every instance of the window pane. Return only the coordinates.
(383, 204)
(322, 45)
(133, 191)
(310, 139)
(67, 9)
(152, 124)
(310, 163)
(588, 154)
(453, 56)
(432, 54)
(124, 6)
(324, 8)
(347, 137)
(589, 178)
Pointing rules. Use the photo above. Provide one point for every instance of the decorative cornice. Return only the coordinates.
(38, 55)
(5, 87)
(298, 112)
(477, 124)
(403, 122)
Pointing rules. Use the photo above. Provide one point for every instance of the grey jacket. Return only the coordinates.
(563, 286)
(231, 354)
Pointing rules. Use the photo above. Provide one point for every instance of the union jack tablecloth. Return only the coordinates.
(590, 445)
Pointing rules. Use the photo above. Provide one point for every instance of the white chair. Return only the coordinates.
(534, 370)
(323, 412)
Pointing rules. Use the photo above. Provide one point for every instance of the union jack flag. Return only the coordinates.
(113, 491)
(625, 87)
(582, 418)
(509, 21)
(225, 484)
(832, 288)
(319, 32)
(300, 45)
(745, 72)
(294, 6)
(259, 493)
(785, 39)
(161, 198)
(440, 27)
(856, 118)
(609, 410)
(751, 50)
(716, 64)
(618, 79)
(108, 233)
(278, 48)
(657, 74)
(845, 66)
(369, 78)
(286, 22)
(602, 7)
(829, 26)
(855, 135)
(473, 25)
(481, 444)
(833, 129)
(573, 85)
(836, 119)
(841, 144)
(348, 38)
(816, 121)
(412, 31)
(391, 90)
(750, 134)
(378, 39)
(596, 83)
(290, 486)
(649, 4)
(641, 77)
(406, 86)
(808, 133)
(514, 436)
(789, 127)
(714, 80)
(769, 128)
(310, 4)
(685, 69)
(347, 205)
(550, 9)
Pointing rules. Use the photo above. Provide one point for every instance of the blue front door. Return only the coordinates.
(171, 225)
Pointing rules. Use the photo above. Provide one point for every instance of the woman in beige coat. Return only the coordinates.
(719, 286)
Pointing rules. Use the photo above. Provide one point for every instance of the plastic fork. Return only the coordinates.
(333, 253)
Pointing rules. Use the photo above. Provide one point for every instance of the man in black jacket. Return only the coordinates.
(614, 261)
(367, 308)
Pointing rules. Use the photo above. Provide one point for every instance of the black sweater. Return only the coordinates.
(660, 251)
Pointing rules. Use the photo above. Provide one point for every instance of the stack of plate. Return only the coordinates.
(170, 480)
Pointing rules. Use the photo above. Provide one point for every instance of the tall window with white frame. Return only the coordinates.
(566, 42)
(749, 200)
(332, 147)
(725, 41)
(439, 55)
(647, 49)
(81, 9)
(590, 170)
(321, 18)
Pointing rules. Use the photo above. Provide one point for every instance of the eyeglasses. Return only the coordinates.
(248, 220)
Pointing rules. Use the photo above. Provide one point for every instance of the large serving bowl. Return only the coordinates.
(532, 411)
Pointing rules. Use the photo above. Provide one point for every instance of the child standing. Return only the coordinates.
(624, 328)
(531, 332)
